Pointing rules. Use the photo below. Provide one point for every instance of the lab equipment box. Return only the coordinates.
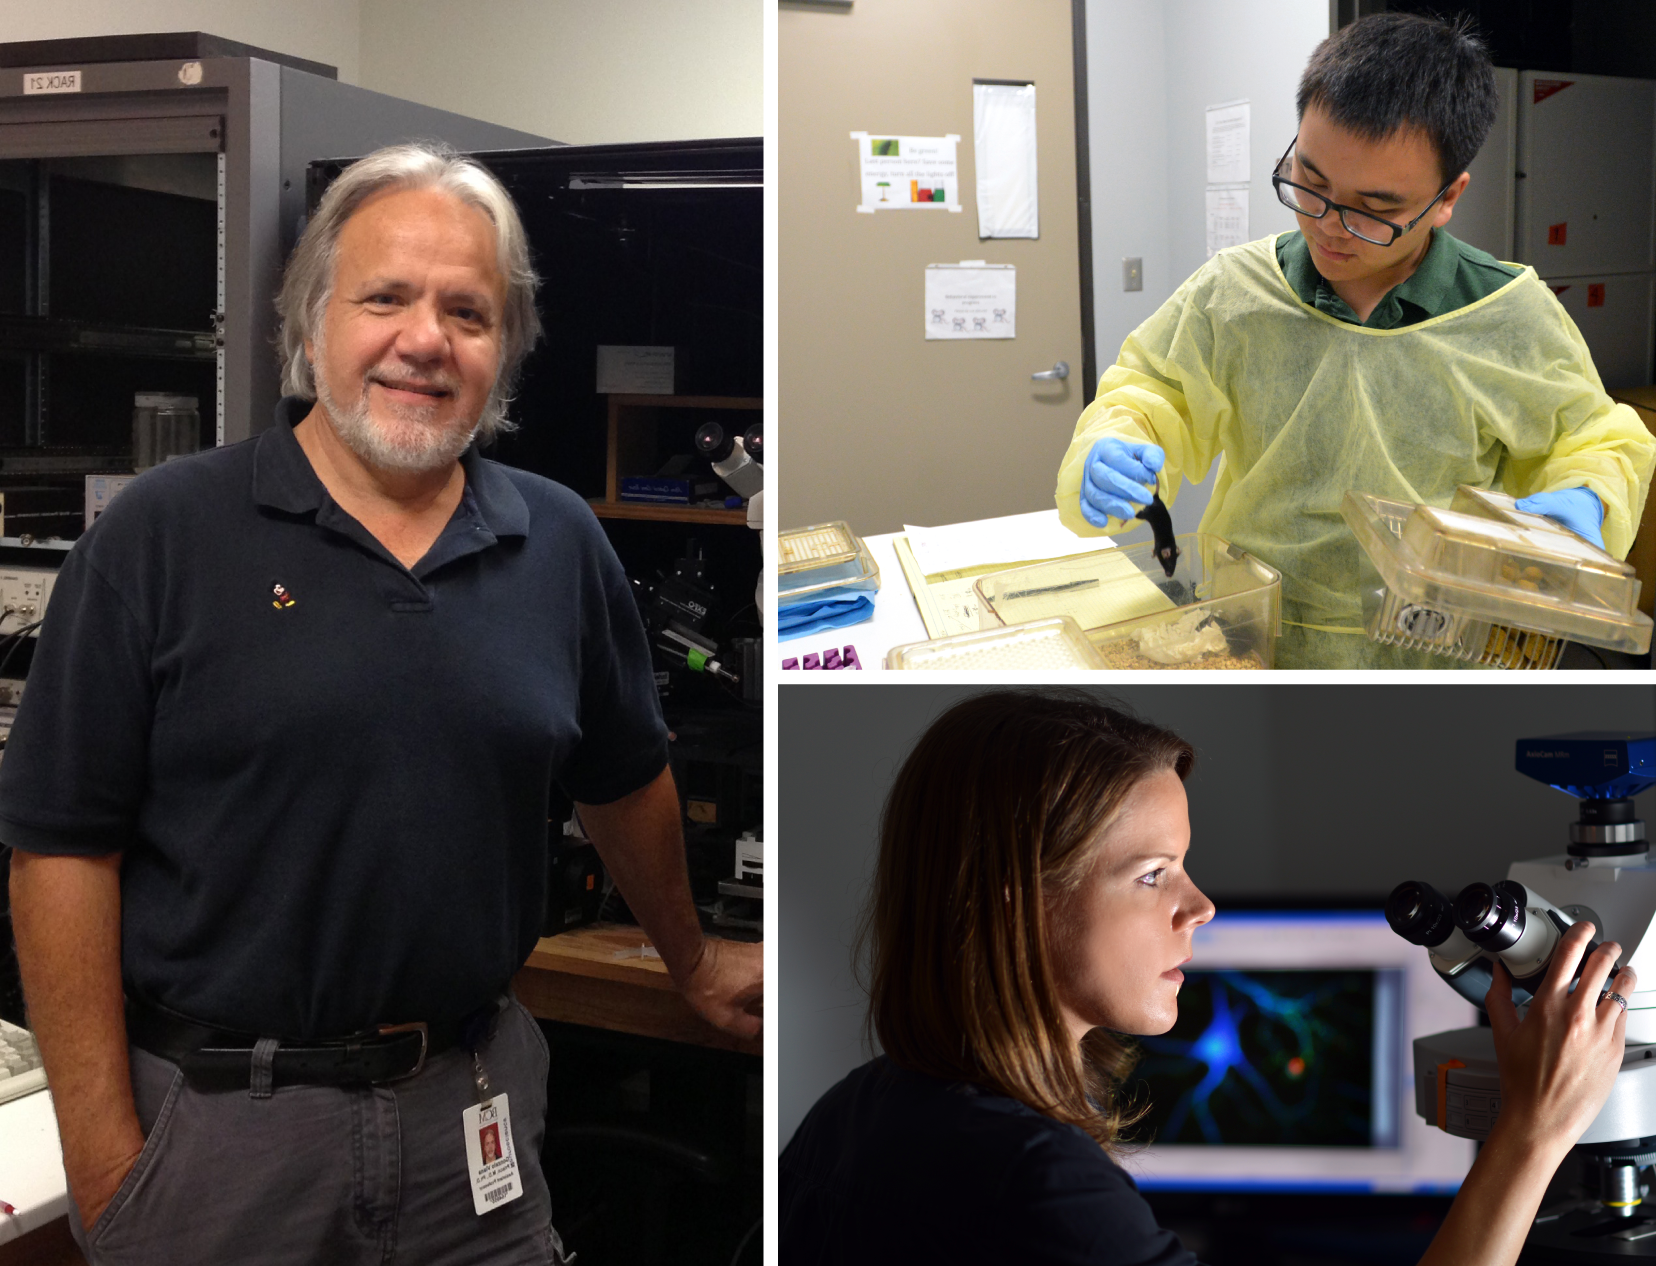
(1487, 583)
(1054, 643)
(1221, 607)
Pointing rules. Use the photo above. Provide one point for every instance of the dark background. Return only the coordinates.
(1583, 37)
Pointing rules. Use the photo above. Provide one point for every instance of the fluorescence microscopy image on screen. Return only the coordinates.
(1263, 1057)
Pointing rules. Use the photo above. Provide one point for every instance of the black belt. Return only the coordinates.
(220, 1059)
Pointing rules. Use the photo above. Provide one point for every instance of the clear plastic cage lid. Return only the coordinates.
(1042, 644)
(1115, 586)
(821, 545)
(1485, 558)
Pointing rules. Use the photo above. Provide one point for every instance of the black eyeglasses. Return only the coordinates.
(1363, 224)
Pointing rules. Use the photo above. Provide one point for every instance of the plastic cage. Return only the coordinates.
(1486, 583)
(822, 561)
(1221, 608)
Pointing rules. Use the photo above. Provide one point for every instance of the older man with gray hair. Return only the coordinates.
(277, 792)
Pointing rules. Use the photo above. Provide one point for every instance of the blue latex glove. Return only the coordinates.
(1121, 477)
(1578, 509)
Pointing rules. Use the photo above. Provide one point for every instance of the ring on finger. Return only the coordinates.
(1612, 996)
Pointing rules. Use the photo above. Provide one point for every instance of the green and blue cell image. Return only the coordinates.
(1266, 1057)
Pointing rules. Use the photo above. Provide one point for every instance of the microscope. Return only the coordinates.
(1605, 877)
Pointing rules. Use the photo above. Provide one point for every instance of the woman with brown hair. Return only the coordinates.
(1029, 905)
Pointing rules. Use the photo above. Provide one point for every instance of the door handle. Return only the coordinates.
(1058, 372)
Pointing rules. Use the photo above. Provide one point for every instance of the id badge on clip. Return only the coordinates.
(491, 1155)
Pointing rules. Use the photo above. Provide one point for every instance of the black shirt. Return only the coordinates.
(892, 1166)
(328, 773)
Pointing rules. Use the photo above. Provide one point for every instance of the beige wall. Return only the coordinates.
(583, 71)
(319, 30)
(878, 425)
(575, 70)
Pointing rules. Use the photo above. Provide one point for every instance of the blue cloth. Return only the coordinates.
(892, 1168)
(330, 801)
(821, 614)
(1578, 509)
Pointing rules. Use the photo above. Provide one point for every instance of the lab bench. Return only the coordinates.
(897, 620)
(594, 976)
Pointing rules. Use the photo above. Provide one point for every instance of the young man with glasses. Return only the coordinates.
(1370, 350)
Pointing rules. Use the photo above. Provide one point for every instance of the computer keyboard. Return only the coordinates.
(20, 1069)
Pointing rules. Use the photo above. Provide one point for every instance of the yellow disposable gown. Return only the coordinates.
(1302, 407)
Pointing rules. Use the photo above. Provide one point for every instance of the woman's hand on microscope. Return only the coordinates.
(1557, 1066)
(1559, 1062)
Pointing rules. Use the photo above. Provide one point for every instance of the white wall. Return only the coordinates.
(318, 30)
(1127, 135)
(573, 70)
(1222, 50)
(582, 71)
(1174, 58)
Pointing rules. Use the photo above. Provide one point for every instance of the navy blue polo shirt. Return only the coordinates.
(327, 773)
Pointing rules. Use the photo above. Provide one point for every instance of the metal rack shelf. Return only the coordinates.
(50, 334)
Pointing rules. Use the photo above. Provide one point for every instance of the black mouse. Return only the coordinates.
(1161, 527)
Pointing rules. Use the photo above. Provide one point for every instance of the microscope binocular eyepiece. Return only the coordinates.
(716, 444)
(1492, 915)
(713, 443)
(1420, 914)
(1485, 922)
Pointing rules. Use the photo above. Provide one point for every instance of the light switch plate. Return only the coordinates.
(1132, 273)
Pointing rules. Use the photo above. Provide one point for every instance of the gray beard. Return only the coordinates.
(417, 445)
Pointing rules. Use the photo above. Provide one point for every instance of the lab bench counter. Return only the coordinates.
(896, 619)
(594, 976)
(31, 1176)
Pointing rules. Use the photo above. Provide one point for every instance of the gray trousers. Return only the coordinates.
(327, 1174)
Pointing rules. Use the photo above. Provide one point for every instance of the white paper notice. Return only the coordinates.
(1003, 126)
(908, 173)
(1227, 219)
(638, 371)
(971, 300)
(1227, 143)
(1017, 538)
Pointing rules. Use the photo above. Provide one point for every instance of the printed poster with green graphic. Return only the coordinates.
(908, 173)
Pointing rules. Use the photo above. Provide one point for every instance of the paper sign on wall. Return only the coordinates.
(971, 299)
(641, 371)
(908, 173)
(1228, 128)
(1227, 219)
(1004, 152)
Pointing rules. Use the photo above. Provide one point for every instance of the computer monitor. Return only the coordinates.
(1290, 1066)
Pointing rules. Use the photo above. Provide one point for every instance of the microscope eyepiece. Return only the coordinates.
(1491, 916)
(1420, 914)
(712, 442)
